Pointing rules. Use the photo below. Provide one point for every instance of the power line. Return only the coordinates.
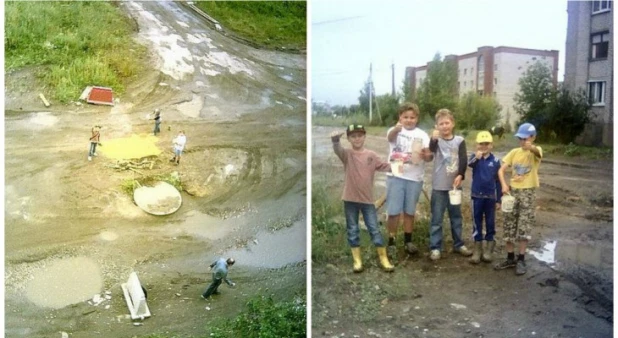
(335, 20)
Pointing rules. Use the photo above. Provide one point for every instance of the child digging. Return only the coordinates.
(524, 162)
(360, 166)
(486, 194)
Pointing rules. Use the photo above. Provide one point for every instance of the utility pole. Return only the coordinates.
(393, 79)
(370, 90)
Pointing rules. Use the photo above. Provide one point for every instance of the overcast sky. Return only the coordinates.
(348, 35)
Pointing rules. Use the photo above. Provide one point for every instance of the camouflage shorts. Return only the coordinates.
(519, 222)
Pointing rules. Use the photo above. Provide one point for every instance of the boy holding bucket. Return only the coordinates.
(524, 162)
(360, 166)
(486, 195)
(449, 170)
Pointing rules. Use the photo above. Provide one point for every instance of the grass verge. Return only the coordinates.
(272, 24)
(129, 185)
(265, 318)
(72, 45)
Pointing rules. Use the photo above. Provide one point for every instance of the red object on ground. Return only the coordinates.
(101, 95)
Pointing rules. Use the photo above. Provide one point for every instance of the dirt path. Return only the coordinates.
(567, 292)
(70, 231)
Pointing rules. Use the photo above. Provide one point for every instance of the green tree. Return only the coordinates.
(439, 88)
(387, 105)
(569, 113)
(363, 98)
(477, 112)
(536, 91)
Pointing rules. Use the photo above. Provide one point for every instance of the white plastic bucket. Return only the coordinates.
(397, 167)
(508, 202)
(454, 197)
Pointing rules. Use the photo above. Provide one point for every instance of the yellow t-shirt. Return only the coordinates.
(524, 168)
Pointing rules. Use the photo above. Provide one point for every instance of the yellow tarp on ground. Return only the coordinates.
(135, 146)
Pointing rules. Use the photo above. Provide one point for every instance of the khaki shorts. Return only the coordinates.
(519, 222)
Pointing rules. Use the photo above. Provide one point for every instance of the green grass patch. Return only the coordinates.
(72, 45)
(272, 24)
(265, 318)
(576, 151)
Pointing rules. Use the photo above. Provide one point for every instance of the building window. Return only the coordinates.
(596, 93)
(601, 6)
(471, 70)
(600, 45)
(495, 80)
(465, 83)
(496, 66)
(465, 71)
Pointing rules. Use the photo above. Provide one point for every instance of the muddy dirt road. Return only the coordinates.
(71, 232)
(567, 292)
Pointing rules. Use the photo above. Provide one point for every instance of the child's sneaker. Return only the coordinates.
(462, 250)
(411, 249)
(506, 264)
(89, 158)
(95, 154)
(520, 269)
(434, 255)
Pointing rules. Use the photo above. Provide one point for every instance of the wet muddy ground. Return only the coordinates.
(72, 236)
(567, 291)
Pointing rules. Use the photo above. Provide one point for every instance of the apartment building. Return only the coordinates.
(493, 71)
(589, 56)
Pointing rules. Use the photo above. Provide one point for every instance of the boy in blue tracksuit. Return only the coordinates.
(486, 196)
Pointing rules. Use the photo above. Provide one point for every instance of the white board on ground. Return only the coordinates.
(162, 199)
(135, 298)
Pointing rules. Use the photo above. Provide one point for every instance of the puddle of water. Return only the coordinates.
(193, 107)
(274, 250)
(572, 253)
(547, 253)
(201, 225)
(287, 77)
(41, 120)
(65, 282)
(108, 236)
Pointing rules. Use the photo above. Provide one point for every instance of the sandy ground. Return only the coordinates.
(72, 236)
(567, 292)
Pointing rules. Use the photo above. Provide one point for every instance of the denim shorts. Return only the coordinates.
(177, 152)
(402, 195)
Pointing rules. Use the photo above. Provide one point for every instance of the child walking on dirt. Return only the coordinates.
(486, 195)
(219, 274)
(360, 165)
(94, 141)
(524, 162)
(409, 150)
(157, 119)
(449, 170)
(179, 145)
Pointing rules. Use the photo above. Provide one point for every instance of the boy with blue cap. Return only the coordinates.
(524, 162)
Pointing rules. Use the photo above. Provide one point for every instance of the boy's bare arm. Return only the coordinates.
(392, 135)
(505, 186)
(337, 147)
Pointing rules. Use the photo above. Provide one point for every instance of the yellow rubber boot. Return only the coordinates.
(384, 263)
(358, 262)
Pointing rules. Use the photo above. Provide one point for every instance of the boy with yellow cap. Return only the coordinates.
(486, 195)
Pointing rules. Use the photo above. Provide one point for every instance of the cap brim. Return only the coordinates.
(522, 135)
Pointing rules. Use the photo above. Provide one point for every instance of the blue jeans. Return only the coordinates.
(156, 128)
(93, 148)
(487, 207)
(352, 210)
(439, 203)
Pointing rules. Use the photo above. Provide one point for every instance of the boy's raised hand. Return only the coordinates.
(435, 134)
(336, 135)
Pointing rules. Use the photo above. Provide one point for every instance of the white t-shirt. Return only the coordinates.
(402, 147)
(179, 142)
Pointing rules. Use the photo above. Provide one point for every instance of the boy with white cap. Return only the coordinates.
(524, 162)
